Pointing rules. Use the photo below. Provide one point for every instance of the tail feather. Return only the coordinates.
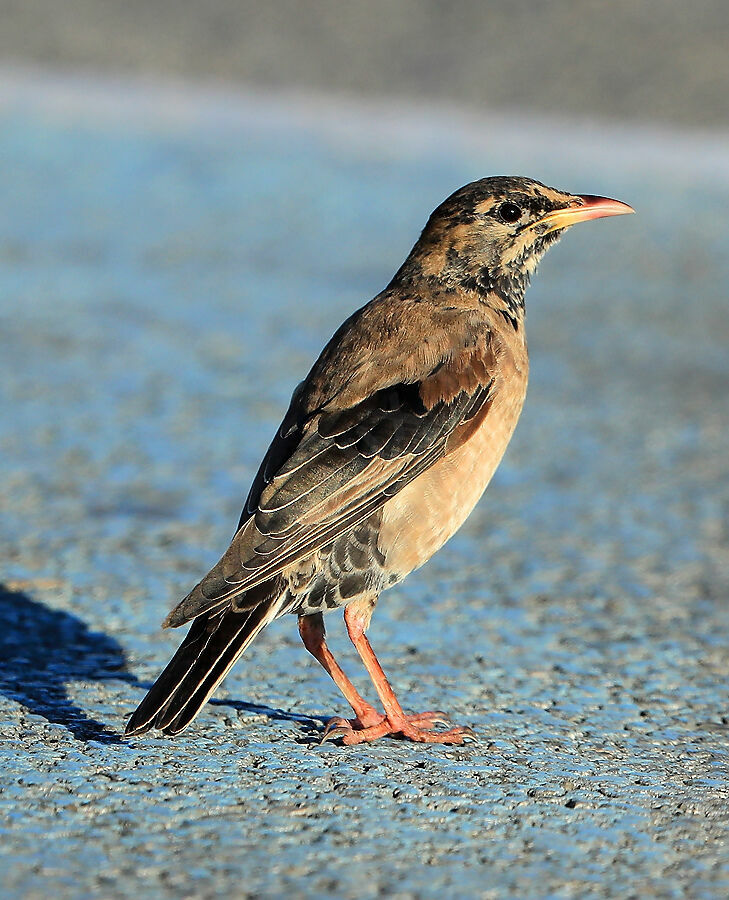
(170, 679)
(221, 653)
(212, 645)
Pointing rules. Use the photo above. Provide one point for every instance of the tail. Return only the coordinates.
(211, 647)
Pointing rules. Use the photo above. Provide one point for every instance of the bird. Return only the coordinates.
(386, 447)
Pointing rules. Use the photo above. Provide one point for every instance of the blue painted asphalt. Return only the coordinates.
(167, 274)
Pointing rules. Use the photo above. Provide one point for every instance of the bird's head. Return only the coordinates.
(490, 234)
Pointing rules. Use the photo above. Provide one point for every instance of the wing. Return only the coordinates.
(328, 470)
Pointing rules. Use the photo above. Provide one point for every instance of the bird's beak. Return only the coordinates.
(581, 209)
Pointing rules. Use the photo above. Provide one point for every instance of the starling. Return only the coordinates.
(386, 447)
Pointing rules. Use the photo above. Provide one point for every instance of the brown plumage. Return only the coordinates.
(385, 449)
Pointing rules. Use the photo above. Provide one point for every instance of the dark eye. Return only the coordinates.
(509, 212)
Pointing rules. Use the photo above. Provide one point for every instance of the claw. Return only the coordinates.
(336, 728)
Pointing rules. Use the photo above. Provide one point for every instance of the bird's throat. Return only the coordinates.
(507, 296)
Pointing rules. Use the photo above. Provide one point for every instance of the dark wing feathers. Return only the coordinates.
(287, 439)
(346, 465)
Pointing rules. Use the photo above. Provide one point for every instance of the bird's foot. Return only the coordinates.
(418, 727)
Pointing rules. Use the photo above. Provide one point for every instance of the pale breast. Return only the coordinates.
(421, 518)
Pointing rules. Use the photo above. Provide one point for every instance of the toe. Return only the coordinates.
(458, 735)
(429, 719)
(367, 734)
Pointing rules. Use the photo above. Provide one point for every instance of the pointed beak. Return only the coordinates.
(583, 208)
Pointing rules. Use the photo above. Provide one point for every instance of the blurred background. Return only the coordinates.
(193, 196)
(661, 60)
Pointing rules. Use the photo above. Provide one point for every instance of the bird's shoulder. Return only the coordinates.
(438, 337)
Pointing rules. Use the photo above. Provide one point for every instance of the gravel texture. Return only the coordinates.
(167, 273)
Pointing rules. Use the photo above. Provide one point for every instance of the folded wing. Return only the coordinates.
(328, 472)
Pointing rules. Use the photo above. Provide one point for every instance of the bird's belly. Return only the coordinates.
(426, 513)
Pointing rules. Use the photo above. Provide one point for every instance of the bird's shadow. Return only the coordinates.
(310, 727)
(43, 650)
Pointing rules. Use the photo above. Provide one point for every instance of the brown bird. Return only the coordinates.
(385, 449)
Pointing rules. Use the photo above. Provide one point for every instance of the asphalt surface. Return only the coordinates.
(170, 264)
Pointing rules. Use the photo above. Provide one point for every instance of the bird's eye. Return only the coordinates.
(509, 212)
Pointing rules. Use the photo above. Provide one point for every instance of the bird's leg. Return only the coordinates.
(418, 727)
(312, 631)
(369, 722)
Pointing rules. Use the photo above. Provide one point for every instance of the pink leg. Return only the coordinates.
(416, 728)
(311, 629)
